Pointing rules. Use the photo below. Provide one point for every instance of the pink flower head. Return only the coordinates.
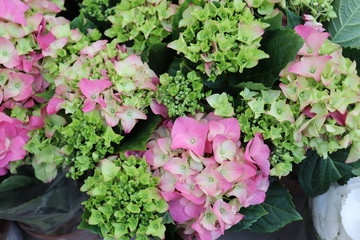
(310, 66)
(313, 39)
(212, 182)
(54, 105)
(191, 190)
(19, 86)
(258, 152)
(91, 90)
(189, 134)
(129, 116)
(8, 54)
(13, 11)
(228, 127)
(94, 48)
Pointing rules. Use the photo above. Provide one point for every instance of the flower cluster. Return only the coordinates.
(105, 78)
(25, 37)
(268, 112)
(98, 9)
(326, 87)
(204, 174)
(319, 9)
(124, 201)
(223, 36)
(181, 94)
(145, 22)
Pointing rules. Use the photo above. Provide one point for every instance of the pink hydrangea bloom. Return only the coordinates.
(310, 66)
(313, 39)
(129, 116)
(94, 48)
(196, 182)
(8, 54)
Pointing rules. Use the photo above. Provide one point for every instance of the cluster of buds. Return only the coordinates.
(205, 176)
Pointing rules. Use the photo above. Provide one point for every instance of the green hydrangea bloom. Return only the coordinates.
(145, 22)
(221, 36)
(124, 201)
(98, 9)
(181, 94)
(319, 9)
(330, 107)
(258, 113)
(86, 140)
(222, 104)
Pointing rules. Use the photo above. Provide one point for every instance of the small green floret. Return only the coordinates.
(181, 94)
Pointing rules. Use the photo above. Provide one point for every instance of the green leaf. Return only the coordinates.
(353, 54)
(85, 225)
(82, 23)
(16, 182)
(316, 173)
(280, 208)
(292, 19)
(46, 95)
(139, 136)
(275, 22)
(345, 29)
(158, 57)
(252, 214)
(282, 45)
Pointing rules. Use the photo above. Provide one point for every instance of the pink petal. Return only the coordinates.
(91, 87)
(13, 10)
(258, 152)
(189, 134)
(94, 48)
(8, 54)
(310, 66)
(158, 108)
(228, 127)
(54, 105)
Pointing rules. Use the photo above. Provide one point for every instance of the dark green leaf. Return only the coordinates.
(16, 182)
(292, 19)
(82, 23)
(282, 45)
(158, 57)
(252, 214)
(140, 134)
(280, 208)
(353, 54)
(46, 95)
(316, 174)
(275, 22)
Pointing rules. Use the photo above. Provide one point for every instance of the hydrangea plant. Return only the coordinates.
(204, 174)
(326, 86)
(124, 201)
(221, 36)
(145, 22)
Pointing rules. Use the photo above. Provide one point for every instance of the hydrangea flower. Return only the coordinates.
(124, 201)
(223, 36)
(327, 88)
(204, 174)
(145, 22)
